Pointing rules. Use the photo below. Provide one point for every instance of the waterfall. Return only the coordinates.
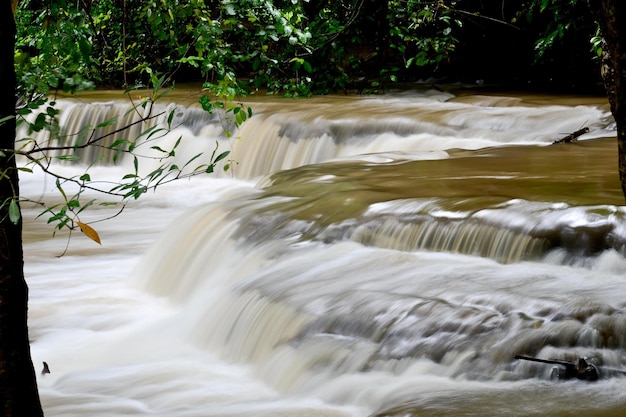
(366, 256)
(306, 313)
(508, 233)
(423, 127)
(305, 301)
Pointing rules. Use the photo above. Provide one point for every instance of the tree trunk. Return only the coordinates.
(611, 15)
(18, 385)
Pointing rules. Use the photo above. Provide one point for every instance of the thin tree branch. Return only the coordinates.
(89, 142)
(480, 16)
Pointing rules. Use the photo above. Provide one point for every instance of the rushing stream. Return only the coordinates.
(365, 256)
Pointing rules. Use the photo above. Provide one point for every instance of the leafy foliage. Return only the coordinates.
(560, 20)
(41, 115)
(292, 47)
(296, 47)
(53, 49)
(427, 29)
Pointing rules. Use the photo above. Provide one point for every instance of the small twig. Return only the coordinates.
(67, 244)
(491, 19)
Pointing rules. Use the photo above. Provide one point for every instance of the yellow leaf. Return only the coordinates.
(89, 232)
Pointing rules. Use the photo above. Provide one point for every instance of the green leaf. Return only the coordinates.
(60, 188)
(221, 156)
(118, 143)
(107, 123)
(85, 206)
(206, 104)
(68, 157)
(158, 148)
(5, 119)
(193, 159)
(14, 212)
(240, 117)
(51, 111)
(39, 124)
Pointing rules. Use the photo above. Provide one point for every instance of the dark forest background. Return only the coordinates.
(300, 48)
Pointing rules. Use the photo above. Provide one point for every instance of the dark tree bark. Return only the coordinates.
(18, 385)
(611, 15)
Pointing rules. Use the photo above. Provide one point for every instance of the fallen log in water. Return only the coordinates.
(572, 137)
(580, 369)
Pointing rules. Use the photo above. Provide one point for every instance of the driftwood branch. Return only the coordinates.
(579, 370)
(572, 137)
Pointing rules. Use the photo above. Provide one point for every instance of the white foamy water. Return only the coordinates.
(115, 350)
(214, 297)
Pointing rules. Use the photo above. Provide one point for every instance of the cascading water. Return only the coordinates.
(367, 256)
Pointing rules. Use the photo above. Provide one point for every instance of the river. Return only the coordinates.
(364, 256)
